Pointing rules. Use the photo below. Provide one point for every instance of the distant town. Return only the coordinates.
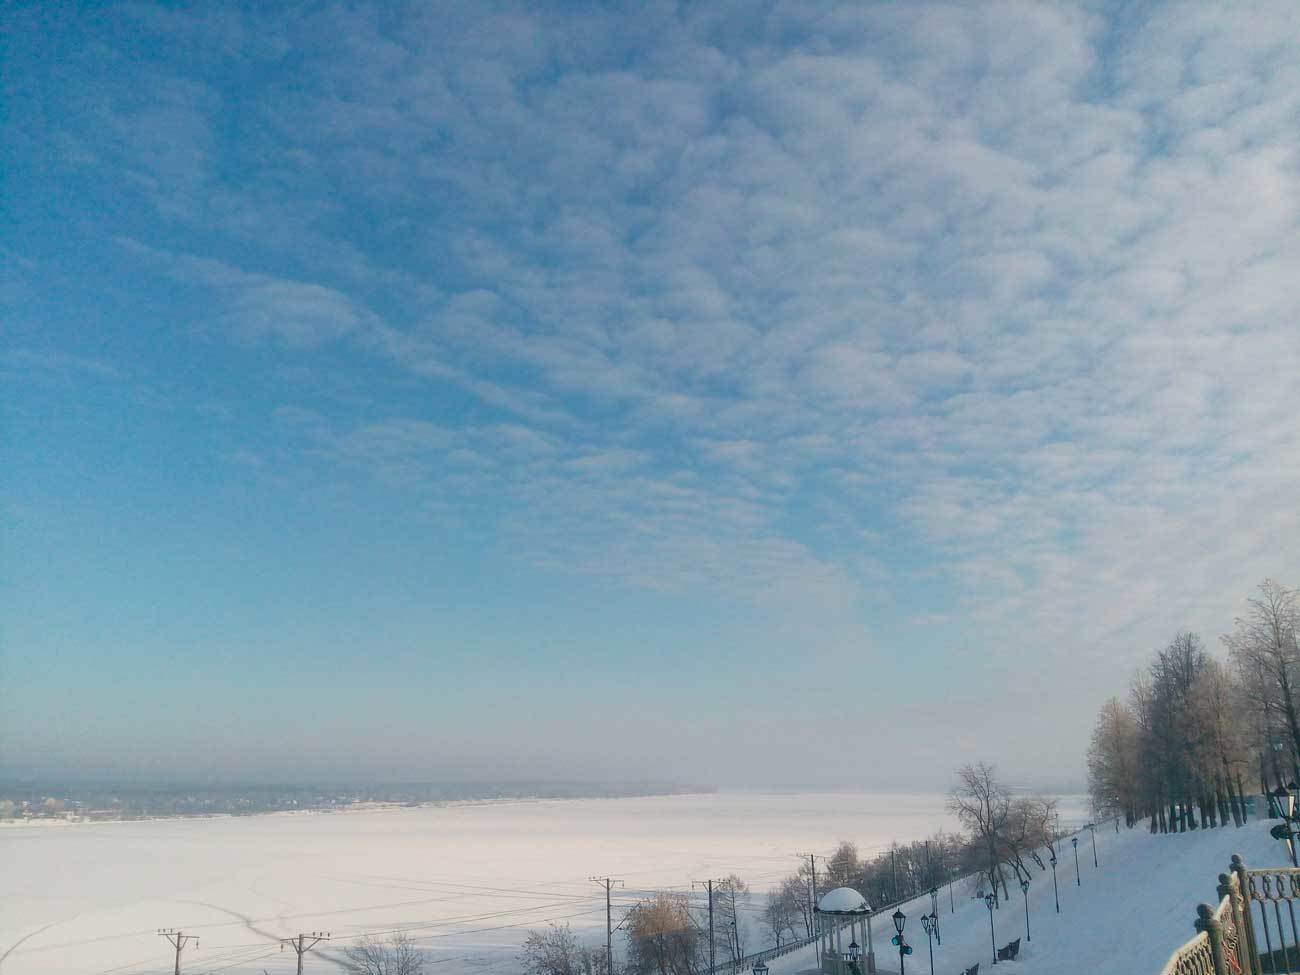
(114, 802)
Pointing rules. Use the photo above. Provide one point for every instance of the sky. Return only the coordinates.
(772, 394)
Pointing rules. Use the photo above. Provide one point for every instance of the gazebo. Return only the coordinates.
(840, 908)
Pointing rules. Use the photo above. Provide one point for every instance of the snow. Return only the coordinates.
(471, 879)
(1126, 918)
(843, 900)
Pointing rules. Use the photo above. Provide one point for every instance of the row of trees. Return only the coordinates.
(1195, 728)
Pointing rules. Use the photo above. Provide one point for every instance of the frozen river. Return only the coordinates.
(467, 880)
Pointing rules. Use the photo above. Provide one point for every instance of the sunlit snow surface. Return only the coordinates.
(467, 880)
(1123, 917)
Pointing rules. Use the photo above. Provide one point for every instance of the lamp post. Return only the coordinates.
(951, 909)
(1056, 891)
(1024, 889)
(934, 913)
(1092, 828)
(1075, 841)
(993, 938)
(900, 919)
(852, 954)
(931, 925)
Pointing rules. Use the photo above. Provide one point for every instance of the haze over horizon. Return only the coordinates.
(654, 392)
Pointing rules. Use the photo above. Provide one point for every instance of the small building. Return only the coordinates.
(840, 909)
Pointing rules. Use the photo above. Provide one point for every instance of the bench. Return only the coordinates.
(1010, 951)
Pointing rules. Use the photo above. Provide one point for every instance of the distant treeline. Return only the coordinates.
(129, 800)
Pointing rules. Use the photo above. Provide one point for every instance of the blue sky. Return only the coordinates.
(493, 390)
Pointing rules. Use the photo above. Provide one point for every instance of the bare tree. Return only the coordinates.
(396, 956)
(1113, 780)
(797, 890)
(1263, 645)
(1219, 737)
(780, 915)
(843, 869)
(731, 895)
(982, 805)
(662, 937)
(556, 951)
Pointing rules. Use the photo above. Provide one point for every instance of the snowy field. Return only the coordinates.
(468, 880)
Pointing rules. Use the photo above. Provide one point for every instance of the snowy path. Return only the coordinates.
(1125, 919)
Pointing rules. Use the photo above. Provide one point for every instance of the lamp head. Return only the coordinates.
(1074, 840)
(899, 920)
(1024, 886)
(988, 901)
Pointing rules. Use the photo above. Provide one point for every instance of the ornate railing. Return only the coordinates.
(1253, 931)
(1198, 956)
(1274, 938)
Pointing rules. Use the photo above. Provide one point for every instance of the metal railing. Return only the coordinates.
(1253, 931)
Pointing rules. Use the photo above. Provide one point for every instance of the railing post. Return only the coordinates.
(1230, 887)
(1207, 922)
(1248, 921)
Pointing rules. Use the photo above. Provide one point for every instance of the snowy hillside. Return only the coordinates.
(1126, 918)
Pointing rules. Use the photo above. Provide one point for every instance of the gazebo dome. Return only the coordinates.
(843, 900)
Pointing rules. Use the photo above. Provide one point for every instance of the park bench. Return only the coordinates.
(1010, 951)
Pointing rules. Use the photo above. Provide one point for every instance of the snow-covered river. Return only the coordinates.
(469, 880)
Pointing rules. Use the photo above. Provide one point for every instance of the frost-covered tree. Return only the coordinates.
(982, 805)
(662, 937)
(396, 956)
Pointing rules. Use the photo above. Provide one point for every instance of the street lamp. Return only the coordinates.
(1092, 828)
(1024, 889)
(852, 955)
(934, 912)
(931, 925)
(1056, 891)
(900, 919)
(988, 902)
(1075, 841)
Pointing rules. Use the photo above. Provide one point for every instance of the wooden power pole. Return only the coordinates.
(607, 883)
(178, 941)
(303, 944)
(708, 885)
(812, 889)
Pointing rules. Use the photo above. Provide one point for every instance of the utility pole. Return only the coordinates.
(708, 885)
(607, 883)
(893, 867)
(178, 941)
(812, 888)
(300, 945)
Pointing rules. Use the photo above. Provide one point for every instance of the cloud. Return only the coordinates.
(1011, 286)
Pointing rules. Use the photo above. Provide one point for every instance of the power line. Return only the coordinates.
(300, 945)
(178, 941)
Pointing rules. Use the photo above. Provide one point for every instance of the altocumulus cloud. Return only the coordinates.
(745, 297)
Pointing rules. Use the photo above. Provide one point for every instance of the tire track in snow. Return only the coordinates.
(248, 921)
(13, 947)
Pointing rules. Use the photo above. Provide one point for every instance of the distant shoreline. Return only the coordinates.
(70, 820)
